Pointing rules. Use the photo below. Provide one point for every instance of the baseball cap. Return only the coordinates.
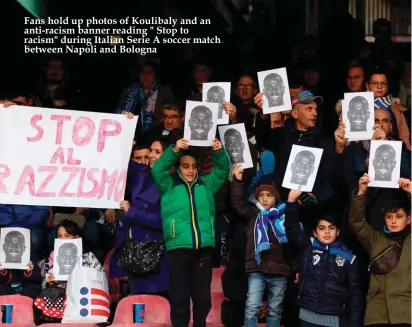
(305, 97)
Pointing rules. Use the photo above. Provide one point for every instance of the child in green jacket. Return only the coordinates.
(188, 214)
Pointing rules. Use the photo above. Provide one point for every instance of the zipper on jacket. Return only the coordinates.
(172, 229)
(389, 248)
(192, 212)
(213, 226)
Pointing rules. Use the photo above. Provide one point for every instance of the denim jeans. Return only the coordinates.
(276, 292)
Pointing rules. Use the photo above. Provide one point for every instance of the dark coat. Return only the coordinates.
(30, 217)
(145, 222)
(274, 261)
(325, 287)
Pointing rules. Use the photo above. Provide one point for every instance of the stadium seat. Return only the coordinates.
(114, 283)
(216, 286)
(22, 309)
(157, 311)
(215, 315)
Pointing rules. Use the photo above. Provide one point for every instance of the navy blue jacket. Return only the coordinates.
(328, 284)
(30, 217)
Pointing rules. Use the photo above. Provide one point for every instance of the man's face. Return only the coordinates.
(67, 259)
(274, 91)
(201, 74)
(172, 119)
(13, 248)
(234, 146)
(397, 221)
(302, 168)
(311, 77)
(216, 97)
(246, 88)
(355, 79)
(326, 232)
(305, 115)
(382, 118)
(200, 124)
(384, 163)
(276, 120)
(141, 156)
(378, 84)
(147, 77)
(358, 116)
(55, 71)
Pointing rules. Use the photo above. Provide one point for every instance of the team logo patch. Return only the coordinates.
(315, 259)
(340, 261)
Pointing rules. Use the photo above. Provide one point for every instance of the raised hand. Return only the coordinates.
(217, 145)
(363, 184)
(259, 99)
(238, 172)
(405, 185)
(230, 109)
(379, 133)
(182, 144)
(295, 194)
(30, 267)
(124, 206)
(128, 114)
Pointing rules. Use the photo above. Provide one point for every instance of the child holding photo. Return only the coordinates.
(188, 215)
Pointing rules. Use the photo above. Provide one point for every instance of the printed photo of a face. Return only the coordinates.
(358, 114)
(302, 167)
(216, 94)
(14, 247)
(274, 89)
(384, 162)
(200, 123)
(234, 145)
(67, 258)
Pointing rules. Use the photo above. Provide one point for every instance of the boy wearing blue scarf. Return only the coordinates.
(329, 293)
(267, 260)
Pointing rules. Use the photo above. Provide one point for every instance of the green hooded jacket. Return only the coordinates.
(188, 209)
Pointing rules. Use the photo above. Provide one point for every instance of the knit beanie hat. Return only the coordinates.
(271, 188)
(79, 220)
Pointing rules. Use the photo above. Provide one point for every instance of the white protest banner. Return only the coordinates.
(63, 158)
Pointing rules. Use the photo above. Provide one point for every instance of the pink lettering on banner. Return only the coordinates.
(120, 186)
(81, 182)
(80, 123)
(58, 155)
(104, 132)
(40, 130)
(111, 180)
(70, 159)
(52, 170)
(60, 119)
(3, 175)
(73, 173)
(95, 190)
(26, 178)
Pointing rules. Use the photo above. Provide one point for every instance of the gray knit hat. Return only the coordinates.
(79, 220)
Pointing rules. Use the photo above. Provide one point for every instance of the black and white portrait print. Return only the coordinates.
(234, 140)
(15, 243)
(274, 85)
(67, 253)
(358, 115)
(302, 168)
(200, 123)
(217, 93)
(384, 163)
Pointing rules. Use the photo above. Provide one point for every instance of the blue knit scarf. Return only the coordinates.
(134, 96)
(273, 217)
(335, 248)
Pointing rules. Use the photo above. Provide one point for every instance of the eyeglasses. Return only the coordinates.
(172, 117)
(246, 86)
(378, 84)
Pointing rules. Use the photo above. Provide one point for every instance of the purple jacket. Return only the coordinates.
(145, 222)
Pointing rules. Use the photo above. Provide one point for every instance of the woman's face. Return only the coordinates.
(378, 84)
(63, 235)
(156, 150)
(147, 77)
